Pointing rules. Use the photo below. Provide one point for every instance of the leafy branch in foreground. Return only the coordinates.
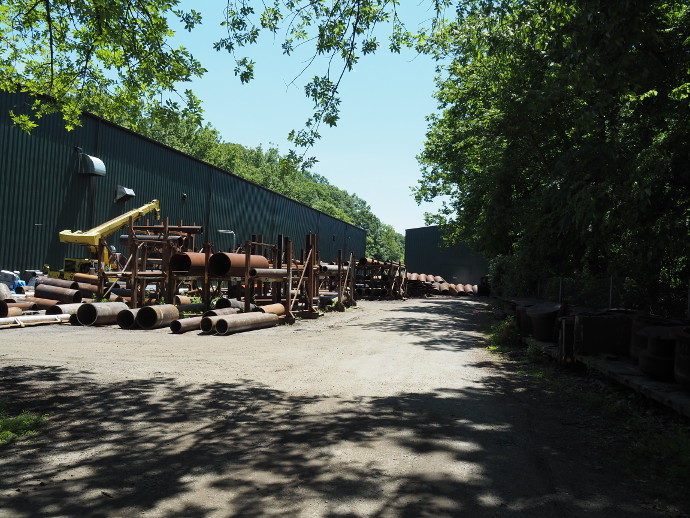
(96, 55)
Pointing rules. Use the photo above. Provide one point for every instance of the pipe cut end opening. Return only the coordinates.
(126, 319)
(87, 315)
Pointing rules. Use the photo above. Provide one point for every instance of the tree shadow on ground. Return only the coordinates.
(160, 447)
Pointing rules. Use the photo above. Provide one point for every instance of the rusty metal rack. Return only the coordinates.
(337, 283)
(381, 279)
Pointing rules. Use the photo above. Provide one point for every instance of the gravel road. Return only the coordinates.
(392, 409)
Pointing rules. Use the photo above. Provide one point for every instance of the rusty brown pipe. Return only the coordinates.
(181, 299)
(85, 288)
(444, 288)
(24, 306)
(245, 322)
(48, 291)
(127, 318)
(208, 324)
(196, 307)
(223, 311)
(224, 264)
(276, 309)
(453, 290)
(85, 278)
(41, 303)
(9, 311)
(183, 325)
(468, 289)
(63, 309)
(61, 283)
(99, 313)
(267, 273)
(233, 303)
(153, 317)
(189, 263)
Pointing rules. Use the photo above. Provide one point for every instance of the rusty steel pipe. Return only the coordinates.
(85, 278)
(233, 303)
(85, 288)
(41, 303)
(181, 299)
(275, 309)
(245, 322)
(48, 291)
(24, 306)
(153, 317)
(267, 273)
(224, 264)
(61, 283)
(444, 288)
(468, 289)
(99, 313)
(439, 279)
(23, 290)
(223, 311)
(453, 290)
(189, 263)
(6, 311)
(332, 268)
(64, 309)
(208, 324)
(414, 277)
(183, 325)
(127, 318)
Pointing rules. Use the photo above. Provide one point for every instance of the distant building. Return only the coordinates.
(426, 253)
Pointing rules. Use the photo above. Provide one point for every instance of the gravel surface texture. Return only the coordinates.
(392, 409)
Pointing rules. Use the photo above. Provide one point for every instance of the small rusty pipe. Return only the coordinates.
(85, 288)
(41, 303)
(181, 299)
(267, 273)
(48, 291)
(208, 324)
(85, 278)
(9, 311)
(183, 325)
(127, 318)
(61, 283)
(233, 303)
(24, 306)
(99, 313)
(189, 263)
(223, 311)
(152, 317)
(468, 289)
(444, 288)
(276, 309)
(245, 322)
(332, 268)
(224, 264)
(64, 309)
(453, 290)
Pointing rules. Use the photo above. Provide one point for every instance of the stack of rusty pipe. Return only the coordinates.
(380, 279)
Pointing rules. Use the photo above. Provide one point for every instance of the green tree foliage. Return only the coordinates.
(563, 138)
(104, 56)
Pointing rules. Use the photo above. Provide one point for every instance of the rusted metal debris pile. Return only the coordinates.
(426, 285)
(258, 285)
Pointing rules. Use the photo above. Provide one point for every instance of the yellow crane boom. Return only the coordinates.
(91, 238)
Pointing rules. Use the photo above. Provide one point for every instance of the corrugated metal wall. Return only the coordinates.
(426, 253)
(41, 193)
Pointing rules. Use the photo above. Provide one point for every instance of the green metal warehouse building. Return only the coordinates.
(44, 192)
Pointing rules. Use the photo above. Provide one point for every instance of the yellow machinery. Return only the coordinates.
(94, 240)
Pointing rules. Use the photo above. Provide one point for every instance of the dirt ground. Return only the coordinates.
(393, 409)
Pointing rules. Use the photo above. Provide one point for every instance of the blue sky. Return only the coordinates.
(384, 101)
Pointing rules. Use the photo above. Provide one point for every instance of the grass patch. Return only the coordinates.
(26, 424)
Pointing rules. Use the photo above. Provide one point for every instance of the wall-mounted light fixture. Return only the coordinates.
(123, 194)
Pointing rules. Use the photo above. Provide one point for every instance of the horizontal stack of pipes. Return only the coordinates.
(425, 285)
(380, 279)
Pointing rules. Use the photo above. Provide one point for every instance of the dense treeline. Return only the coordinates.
(563, 139)
(283, 174)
